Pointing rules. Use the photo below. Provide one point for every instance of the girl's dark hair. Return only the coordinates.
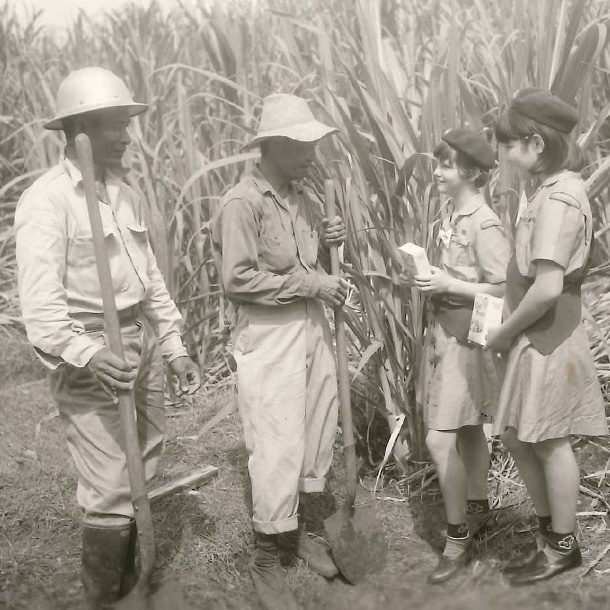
(465, 165)
(560, 150)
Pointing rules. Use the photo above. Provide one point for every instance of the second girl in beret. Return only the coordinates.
(458, 385)
(550, 390)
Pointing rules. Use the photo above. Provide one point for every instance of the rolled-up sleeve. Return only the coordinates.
(235, 231)
(41, 246)
(162, 313)
(558, 223)
(492, 252)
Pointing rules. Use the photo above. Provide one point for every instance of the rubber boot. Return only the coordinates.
(267, 575)
(103, 561)
(130, 576)
(313, 553)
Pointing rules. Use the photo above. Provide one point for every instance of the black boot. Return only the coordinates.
(267, 575)
(103, 560)
(313, 553)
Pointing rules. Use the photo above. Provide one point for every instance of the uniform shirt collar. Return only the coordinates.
(469, 209)
(554, 178)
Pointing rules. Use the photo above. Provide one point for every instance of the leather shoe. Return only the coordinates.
(447, 568)
(543, 568)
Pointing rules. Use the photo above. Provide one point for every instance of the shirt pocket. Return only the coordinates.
(81, 251)
(277, 247)
(460, 252)
(81, 277)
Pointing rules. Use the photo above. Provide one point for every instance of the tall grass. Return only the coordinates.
(392, 75)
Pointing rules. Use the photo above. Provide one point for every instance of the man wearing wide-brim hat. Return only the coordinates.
(269, 247)
(61, 302)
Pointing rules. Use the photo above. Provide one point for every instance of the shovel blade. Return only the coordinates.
(169, 596)
(357, 541)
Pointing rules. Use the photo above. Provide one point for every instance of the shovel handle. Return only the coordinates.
(112, 328)
(345, 405)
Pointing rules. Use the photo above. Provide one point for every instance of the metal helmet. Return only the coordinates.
(90, 89)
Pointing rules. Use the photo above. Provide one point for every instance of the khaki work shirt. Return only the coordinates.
(57, 273)
(556, 225)
(266, 248)
(471, 244)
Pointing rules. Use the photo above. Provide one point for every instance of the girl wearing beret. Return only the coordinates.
(550, 390)
(458, 384)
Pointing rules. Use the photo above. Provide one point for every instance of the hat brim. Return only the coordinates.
(312, 131)
(134, 109)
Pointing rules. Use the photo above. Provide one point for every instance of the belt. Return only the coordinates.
(95, 321)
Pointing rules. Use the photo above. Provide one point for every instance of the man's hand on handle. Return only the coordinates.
(111, 372)
(333, 232)
(333, 290)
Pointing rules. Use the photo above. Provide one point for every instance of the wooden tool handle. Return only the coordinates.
(345, 405)
(127, 405)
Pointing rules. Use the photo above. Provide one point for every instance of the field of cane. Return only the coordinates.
(392, 75)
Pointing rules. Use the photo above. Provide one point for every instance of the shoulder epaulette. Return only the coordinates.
(566, 198)
(491, 222)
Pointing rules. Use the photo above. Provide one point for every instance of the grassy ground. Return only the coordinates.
(204, 536)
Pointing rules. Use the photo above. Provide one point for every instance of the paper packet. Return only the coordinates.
(416, 260)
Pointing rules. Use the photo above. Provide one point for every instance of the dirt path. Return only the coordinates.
(204, 536)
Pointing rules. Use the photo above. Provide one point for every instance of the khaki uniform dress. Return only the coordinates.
(458, 383)
(552, 395)
(62, 311)
(267, 252)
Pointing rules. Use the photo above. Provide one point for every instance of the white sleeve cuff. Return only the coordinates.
(80, 350)
(172, 347)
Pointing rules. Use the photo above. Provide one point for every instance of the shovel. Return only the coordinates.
(168, 597)
(357, 540)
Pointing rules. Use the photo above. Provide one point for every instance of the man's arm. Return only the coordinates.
(236, 229)
(41, 246)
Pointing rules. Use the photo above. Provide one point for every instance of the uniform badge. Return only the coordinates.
(444, 235)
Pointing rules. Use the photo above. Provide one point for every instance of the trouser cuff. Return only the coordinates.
(106, 520)
(276, 527)
(310, 486)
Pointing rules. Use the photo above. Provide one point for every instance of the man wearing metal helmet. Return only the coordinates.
(268, 247)
(62, 310)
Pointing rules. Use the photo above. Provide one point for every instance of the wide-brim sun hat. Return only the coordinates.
(90, 89)
(288, 116)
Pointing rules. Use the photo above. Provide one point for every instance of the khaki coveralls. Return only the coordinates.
(266, 250)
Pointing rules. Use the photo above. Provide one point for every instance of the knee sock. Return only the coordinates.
(559, 545)
(477, 507)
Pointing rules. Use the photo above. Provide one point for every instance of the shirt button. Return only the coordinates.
(124, 287)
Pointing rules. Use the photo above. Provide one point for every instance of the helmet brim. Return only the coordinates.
(134, 109)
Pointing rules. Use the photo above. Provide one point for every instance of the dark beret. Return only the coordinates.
(472, 144)
(542, 106)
